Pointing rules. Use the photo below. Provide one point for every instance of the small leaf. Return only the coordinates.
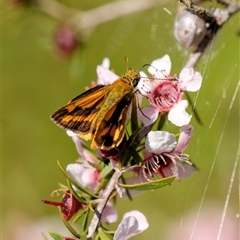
(79, 215)
(134, 138)
(96, 166)
(136, 157)
(85, 221)
(70, 228)
(55, 236)
(134, 120)
(102, 184)
(149, 185)
(105, 171)
(102, 235)
(162, 120)
(75, 194)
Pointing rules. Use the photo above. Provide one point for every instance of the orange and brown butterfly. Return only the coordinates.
(100, 114)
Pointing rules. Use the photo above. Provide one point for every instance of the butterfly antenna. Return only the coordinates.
(126, 61)
(149, 65)
(162, 71)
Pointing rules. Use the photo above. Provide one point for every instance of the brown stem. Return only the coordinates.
(83, 20)
(100, 207)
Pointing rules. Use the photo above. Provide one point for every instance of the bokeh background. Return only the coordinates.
(37, 80)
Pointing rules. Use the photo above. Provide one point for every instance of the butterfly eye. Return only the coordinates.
(135, 81)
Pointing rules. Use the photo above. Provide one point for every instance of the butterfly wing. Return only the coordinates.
(80, 113)
(111, 129)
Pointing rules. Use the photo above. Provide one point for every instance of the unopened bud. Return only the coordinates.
(189, 29)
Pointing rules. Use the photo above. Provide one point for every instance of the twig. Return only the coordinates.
(216, 19)
(83, 20)
(200, 11)
(100, 207)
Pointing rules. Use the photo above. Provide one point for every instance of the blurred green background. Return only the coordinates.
(36, 81)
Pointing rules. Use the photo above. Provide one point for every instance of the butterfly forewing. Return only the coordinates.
(80, 113)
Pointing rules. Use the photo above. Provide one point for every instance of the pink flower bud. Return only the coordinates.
(66, 40)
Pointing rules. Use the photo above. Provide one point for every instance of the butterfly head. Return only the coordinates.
(132, 76)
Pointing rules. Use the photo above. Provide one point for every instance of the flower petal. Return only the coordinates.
(180, 170)
(109, 214)
(77, 142)
(177, 114)
(133, 223)
(160, 64)
(106, 63)
(189, 80)
(148, 115)
(160, 141)
(185, 170)
(184, 138)
(126, 229)
(144, 85)
(105, 76)
(83, 174)
(142, 221)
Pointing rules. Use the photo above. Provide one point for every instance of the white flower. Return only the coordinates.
(133, 223)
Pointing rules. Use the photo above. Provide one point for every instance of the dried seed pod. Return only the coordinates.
(69, 205)
(189, 29)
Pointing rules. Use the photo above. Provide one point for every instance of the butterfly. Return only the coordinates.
(101, 113)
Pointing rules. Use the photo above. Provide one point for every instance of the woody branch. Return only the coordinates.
(216, 18)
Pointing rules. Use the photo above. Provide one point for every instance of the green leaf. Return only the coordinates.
(162, 119)
(102, 184)
(55, 235)
(134, 120)
(134, 138)
(81, 188)
(85, 221)
(79, 215)
(149, 185)
(70, 228)
(75, 194)
(105, 171)
(102, 235)
(136, 157)
(98, 166)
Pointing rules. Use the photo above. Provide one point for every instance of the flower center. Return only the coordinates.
(165, 95)
(153, 165)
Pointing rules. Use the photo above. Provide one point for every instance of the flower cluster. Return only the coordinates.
(148, 154)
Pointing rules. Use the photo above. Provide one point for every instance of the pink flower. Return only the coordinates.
(87, 176)
(82, 172)
(105, 76)
(165, 92)
(133, 223)
(163, 154)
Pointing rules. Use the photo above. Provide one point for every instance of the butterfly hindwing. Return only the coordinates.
(111, 130)
(80, 113)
